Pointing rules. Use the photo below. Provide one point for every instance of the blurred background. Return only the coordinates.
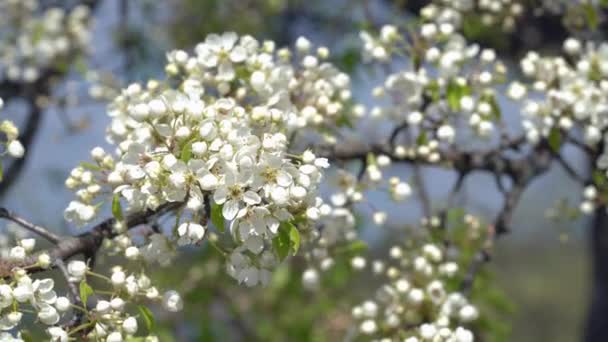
(542, 268)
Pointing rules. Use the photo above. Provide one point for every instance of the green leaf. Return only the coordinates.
(453, 96)
(454, 93)
(148, 317)
(421, 139)
(495, 107)
(555, 139)
(344, 121)
(433, 91)
(592, 16)
(26, 336)
(455, 215)
(116, 208)
(599, 178)
(371, 159)
(349, 59)
(288, 237)
(37, 32)
(356, 247)
(81, 66)
(281, 243)
(1, 171)
(217, 218)
(85, 292)
(186, 154)
(90, 166)
(294, 237)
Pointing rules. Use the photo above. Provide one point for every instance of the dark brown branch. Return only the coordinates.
(31, 92)
(75, 294)
(87, 243)
(503, 220)
(569, 169)
(455, 189)
(26, 138)
(425, 199)
(521, 170)
(479, 259)
(39, 230)
(582, 146)
(492, 161)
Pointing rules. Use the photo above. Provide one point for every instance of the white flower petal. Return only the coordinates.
(251, 198)
(230, 209)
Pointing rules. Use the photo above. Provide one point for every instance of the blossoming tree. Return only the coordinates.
(231, 151)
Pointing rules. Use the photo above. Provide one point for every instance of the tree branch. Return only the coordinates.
(39, 230)
(86, 243)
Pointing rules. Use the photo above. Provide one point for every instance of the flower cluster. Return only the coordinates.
(12, 145)
(448, 85)
(21, 294)
(217, 135)
(415, 303)
(489, 13)
(571, 93)
(33, 39)
(565, 101)
(231, 141)
(113, 319)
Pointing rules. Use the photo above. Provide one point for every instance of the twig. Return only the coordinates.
(87, 243)
(27, 138)
(75, 293)
(511, 200)
(478, 260)
(45, 233)
(569, 169)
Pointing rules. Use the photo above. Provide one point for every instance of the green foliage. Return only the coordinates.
(90, 166)
(116, 208)
(294, 237)
(147, 316)
(26, 336)
(422, 139)
(217, 218)
(281, 242)
(455, 92)
(555, 139)
(255, 20)
(496, 308)
(85, 292)
(591, 15)
(186, 153)
(476, 30)
(349, 59)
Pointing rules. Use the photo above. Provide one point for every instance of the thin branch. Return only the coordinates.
(87, 243)
(31, 92)
(425, 200)
(569, 169)
(582, 146)
(395, 133)
(75, 294)
(456, 188)
(511, 199)
(478, 260)
(452, 196)
(27, 139)
(499, 185)
(36, 229)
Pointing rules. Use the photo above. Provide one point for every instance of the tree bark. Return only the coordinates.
(596, 329)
